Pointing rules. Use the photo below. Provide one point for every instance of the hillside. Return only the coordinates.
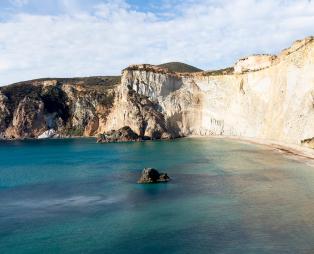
(179, 67)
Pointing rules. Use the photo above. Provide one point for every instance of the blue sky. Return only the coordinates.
(65, 38)
(59, 7)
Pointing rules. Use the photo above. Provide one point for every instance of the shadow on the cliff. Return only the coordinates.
(172, 124)
(175, 83)
(55, 99)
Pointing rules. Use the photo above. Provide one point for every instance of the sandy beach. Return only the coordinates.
(297, 152)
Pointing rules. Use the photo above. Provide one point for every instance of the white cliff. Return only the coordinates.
(267, 97)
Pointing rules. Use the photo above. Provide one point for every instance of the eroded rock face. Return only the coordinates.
(70, 107)
(4, 114)
(151, 175)
(28, 119)
(139, 113)
(77, 108)
(254, 63)
(272, 99)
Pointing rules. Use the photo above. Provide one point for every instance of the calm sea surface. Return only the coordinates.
(76, 196)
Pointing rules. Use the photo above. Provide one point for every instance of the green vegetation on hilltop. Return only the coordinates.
(225, 71)
(179, 67)
(33, 88)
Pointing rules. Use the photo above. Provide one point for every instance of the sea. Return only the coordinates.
(225, 196)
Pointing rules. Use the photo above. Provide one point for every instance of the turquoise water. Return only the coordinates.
(76, 196)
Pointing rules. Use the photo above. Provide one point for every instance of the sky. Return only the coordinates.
(72, 38)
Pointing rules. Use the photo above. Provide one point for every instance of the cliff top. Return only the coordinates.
(297, 45)
(250, 63)
(84, 81)
(32, 88)
(162, 70)
(263, 61)
(172, 68)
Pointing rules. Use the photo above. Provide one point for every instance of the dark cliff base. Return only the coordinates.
(126, 134)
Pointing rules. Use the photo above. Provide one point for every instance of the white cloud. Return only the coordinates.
(19, 3)
(205, 33)
(3, 66)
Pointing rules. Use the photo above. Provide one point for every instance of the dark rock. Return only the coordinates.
(151, 175)
(124, 134)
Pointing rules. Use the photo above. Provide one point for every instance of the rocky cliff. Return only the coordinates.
(262, 96)
(267, 97)
(70, 107)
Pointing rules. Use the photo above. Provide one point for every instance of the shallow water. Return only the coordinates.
(76, 196)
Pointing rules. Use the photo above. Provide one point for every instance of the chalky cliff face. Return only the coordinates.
(267, 97)
(263, 96)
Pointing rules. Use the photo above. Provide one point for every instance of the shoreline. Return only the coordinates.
(296, 151)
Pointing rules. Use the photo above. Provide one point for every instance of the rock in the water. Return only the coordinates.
(49, 134)
(124, 134)
(151, 175)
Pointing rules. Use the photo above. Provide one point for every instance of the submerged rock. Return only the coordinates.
(124, 134)
(151, 175)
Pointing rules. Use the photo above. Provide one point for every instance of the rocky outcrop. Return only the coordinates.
(28, 119)
(151, 175)
(308, 142)
(125, 134)
(262, 96)
(69, 107)
(4, 115)
(49, 134)
(138, 112)
(254, 63)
